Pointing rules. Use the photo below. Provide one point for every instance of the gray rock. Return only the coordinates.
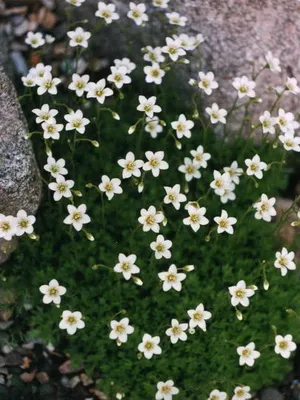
(20, 182)
(270, 393)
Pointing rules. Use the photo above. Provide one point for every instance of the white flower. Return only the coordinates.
(174, 196)
(196, 217)
(120, 330)
(284, 261)
(229, 194)
(255, 166)
(207, 82)
(125, 62)
(79, 84)
(234, 171)
(110, 186)
(107, 12)
(51, 129)
(79, 37)
(153, 55)
(61, 187)
(220, 183)
(190, 169)
(248, 354)
(40, 70)
(56, 167)
(165, 390)
(98, 91)
(47, 84)
(44, 114)
(273, 62)
(292, 85)
(126, 266)
(176, 332)
(154, 74)
(216, 114)
(240, 294)
(150, 346)
(29, 80)
(217, 395)
(148, 106)
(35, 40)
(244, 87)
(284, 345)
(183, 126)
(286, 121)
(24, 223)
(76, 121)
(173, 49)
(77, 217)
(76, 3)
(187, 42)
(161, 247)
(137, 13)
(8, 225)
(131, 166)
(160, 3)
(198, 317)
(225, 223)
(172, 279)
(153, 126)
(242, 393)
(52, 292)
(150, 219)
(155, 162)
(176, 19)
(119, 76)
(268, 123)
(200, 158)
(265, 208)
(49, 39)
(290, 141)
(71, 321)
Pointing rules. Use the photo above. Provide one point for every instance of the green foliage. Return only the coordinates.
(207, 360)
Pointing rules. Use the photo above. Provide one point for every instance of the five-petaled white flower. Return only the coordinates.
(216, 114)
(198, 317)
(196, 217)
(153, 126)
(190, 169)
(155, 162)
(76, 121)
(161, 247)
(150, 346)
(44, 114)
(284, 261)
(240, 294)
(107, 12)
(7, 227)
(71, 321)
(150, 219)
(110, 186)
(79, 37)
(119, 76)
(51, 129)
(284, 345)
(173, 49)
(290, 141)
(120, 330)
(273, 63)
(265, 208)
(153, 55)
(183, 126)
(234, 171)
(24, 223)
(148, 106)
(47, 84)
(176, 19)
(166, 390)
(125, 62)
(126, 265)
(225, 223)
(160, 3)
(35, 40)
(77, 217)
(154, 73)
(56, 167)
(52, 292)
(200, 157)
(79, 84)
(137, 13)
(98, 90)
(207, 82)
(217, 395)
(220, 183)
(248, 354)
(131, 166)
(174, 196)
(172, 279)
(255, 166)
(242, 393)
(40, 70)
(177, 331)
(29, 80)
(61, 188)
(268, 123)
(76, 3)
(244, 87)
(286, 121)
(292, 85)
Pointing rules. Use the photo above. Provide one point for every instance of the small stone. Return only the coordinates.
(13, 359)
(28, 377)
(5, 325)
(270, 393)
(74, 381)
(2, 361)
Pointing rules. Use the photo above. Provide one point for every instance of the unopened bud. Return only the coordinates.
(192, 331)
(33, 236)
(239, 315)
(132, 129)
(189, 268)
(266, 285)
(140, 187)
(95, 143)
(137, 281)
(207, 238)
(162, 122)
(89, 185)
(253, 287)
(89, 236)
(77, 193)
(193, 82)
(195, 114)
(116, 116)
(178, 144)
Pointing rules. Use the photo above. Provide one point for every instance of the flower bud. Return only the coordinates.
(89, 185)
(132, 129)
(116, 116)
(140, 187)
(189, 268)
(178, 144)
(239, 315)
(77, 193)
(89, 236)
(192, 331)
(95, 143)
(266, 285)
(137, 281)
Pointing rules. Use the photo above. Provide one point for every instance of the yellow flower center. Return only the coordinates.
(171, 278)
(77, 216)
(5, 226)
(283, 345)
(52, 291)
(149, 345)
(71, 320)
(240, 293)
(150, 220)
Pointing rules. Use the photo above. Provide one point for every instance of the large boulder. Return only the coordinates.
(20, 183)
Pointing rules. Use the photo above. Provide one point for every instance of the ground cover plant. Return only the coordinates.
(155, 259)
